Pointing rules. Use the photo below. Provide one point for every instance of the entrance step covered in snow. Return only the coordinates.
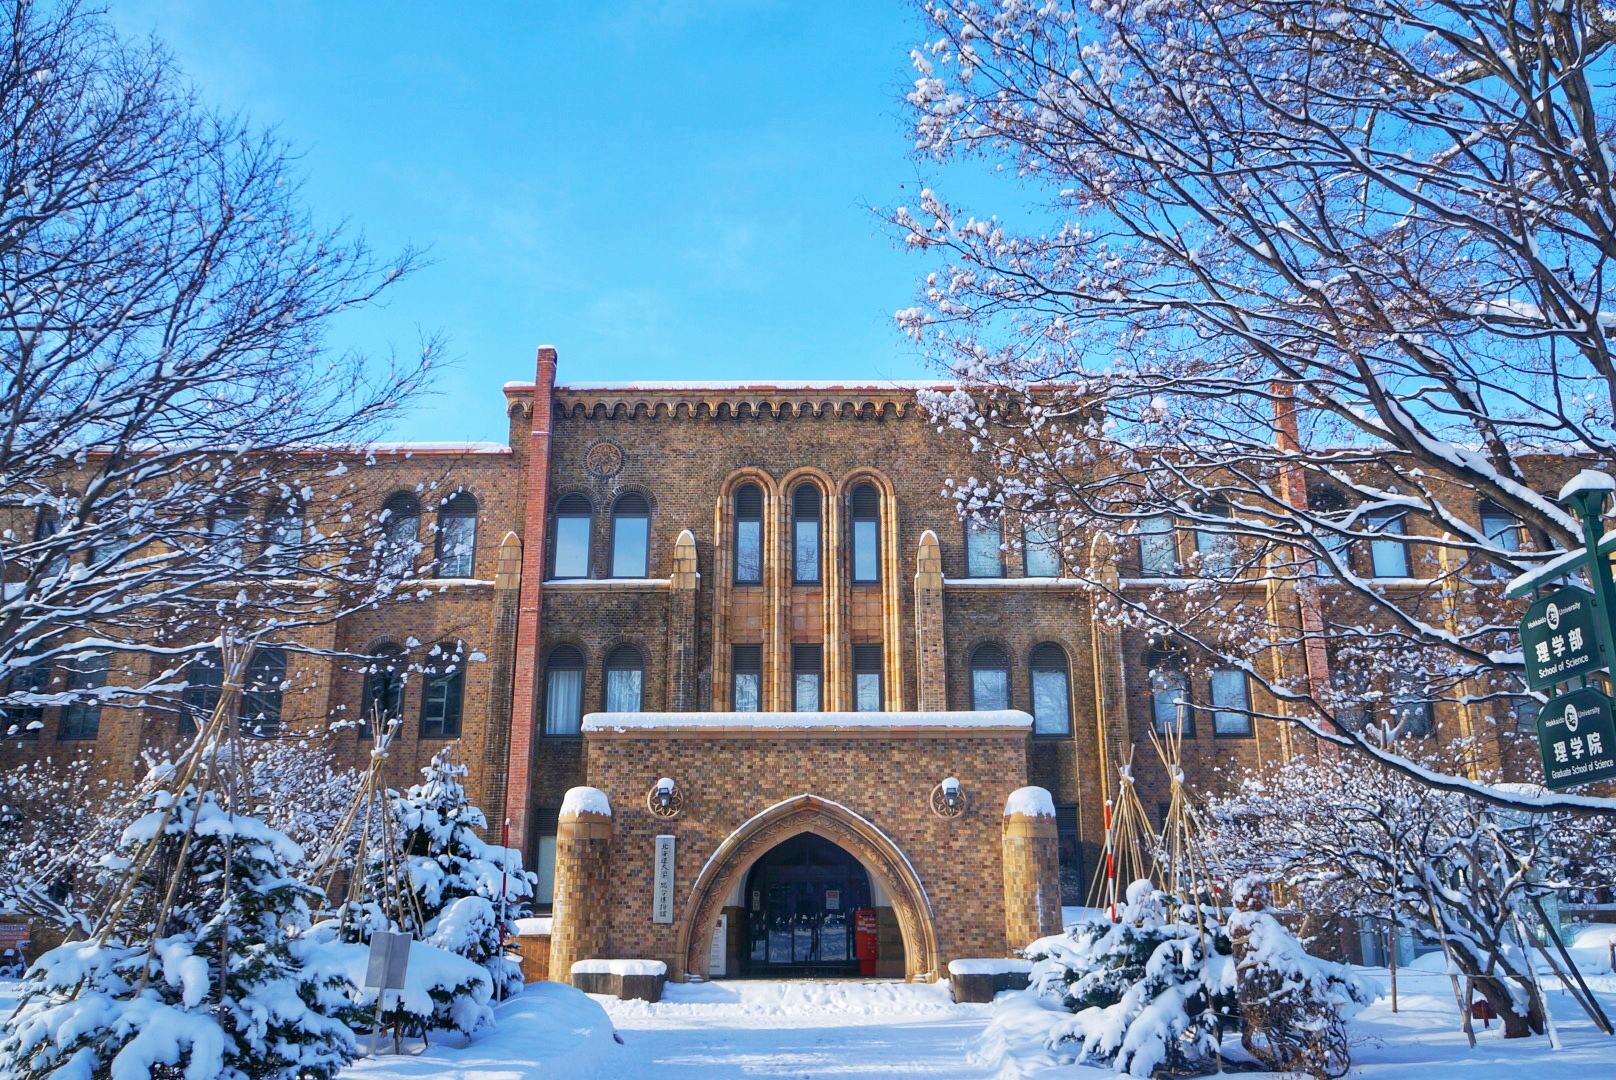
(977, 981)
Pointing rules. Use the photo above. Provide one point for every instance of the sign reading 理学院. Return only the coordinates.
(662, 882)
(1577, 735)
(1559, 639)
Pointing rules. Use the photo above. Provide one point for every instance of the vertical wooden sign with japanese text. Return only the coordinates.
(662, 882)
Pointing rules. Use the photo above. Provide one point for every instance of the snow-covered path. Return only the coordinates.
(844, 1029)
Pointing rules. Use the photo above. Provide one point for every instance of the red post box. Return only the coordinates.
(864, 940)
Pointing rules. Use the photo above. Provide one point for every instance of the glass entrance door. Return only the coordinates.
(801, 897)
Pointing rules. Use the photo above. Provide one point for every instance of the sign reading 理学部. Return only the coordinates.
(1577, 735)
(1559, 638)
(662, 882)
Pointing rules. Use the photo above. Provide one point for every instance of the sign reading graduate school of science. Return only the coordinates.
(1577, 735)
(1559, 638)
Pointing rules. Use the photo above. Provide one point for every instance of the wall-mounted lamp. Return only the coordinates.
(948, 798)
(665, 800)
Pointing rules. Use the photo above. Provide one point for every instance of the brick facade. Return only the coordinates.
(685, 451)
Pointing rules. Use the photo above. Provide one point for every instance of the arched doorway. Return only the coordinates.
(886, 867)
(799, 899)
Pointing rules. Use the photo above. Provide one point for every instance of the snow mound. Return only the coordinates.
(619, 967)
(581, 800)
(548, 1031)
(989, 966)
(1030, 802)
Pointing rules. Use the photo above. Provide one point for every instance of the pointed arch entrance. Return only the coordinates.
(874, 850)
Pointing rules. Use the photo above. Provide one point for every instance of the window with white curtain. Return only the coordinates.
(564, 691)
(625, 676)
(746, 678)
(1051, 692)
(990, 678)
(1231, 702)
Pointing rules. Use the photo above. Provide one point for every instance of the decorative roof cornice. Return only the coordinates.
(732, 401)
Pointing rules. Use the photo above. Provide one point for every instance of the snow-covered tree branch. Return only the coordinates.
(1306, 283)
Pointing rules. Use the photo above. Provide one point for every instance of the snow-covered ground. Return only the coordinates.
(847, 1029)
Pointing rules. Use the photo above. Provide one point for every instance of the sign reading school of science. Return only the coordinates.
(1577, 735)
(1559, 638)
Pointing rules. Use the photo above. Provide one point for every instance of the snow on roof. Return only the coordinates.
(1030, 802)
(1588, 480)
(654, 385)
(639, 721)
(580, 800)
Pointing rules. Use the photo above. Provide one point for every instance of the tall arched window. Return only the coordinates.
(382, 699)
(261, 689)
(1389, 558)
(52, 556)
(867, 696)
(24, 719)
(748, 535)
(746, 678)
(204, 682)
(1158, 547)
(401, 533)
(625, 679)
(457, 535)
(805, 546)
(1409, 706)
(563, 690)
(1215, 543)
(574, 522)
(1330, 506)
(807, 677)
(631, 535)
(1504, 530)
(990, 678)
(864, 509)
(1169, 693)
(983, 540)
(443, 691)
(1051, 690)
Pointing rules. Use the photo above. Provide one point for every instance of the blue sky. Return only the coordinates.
(674, 189)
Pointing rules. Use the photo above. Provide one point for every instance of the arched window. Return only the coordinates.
(382, 699)
(574, 522)
(563, 690)
(805, 546)
(443, 691)
(457, 535)
(1051, 690)
(864, 510)
(1231, 702)
(283, 536)
(748, 535)
(990, 678)
(631, 535)
(625, 679)
(1169, 693)
(82, 718)
(227, 531)
(401, 533)
(746, 678)
(1041, 537)
(982, 542)
(1158, 547)
(261, 688)
(867, 695)
(1504, 530)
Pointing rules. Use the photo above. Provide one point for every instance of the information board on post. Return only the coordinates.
(1559, 638)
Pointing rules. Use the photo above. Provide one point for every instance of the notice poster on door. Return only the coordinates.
(833, 899)
(718, 955)
(662, 882)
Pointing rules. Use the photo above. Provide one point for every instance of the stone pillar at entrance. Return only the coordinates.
(582, 863)
(1031, 867)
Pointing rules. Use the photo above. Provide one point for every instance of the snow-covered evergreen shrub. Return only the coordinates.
(1151, 989)
(454, 879)
(1294, 1007)
(133, 1006)
(443, 993)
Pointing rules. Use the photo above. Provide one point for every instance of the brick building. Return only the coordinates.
(761, 594)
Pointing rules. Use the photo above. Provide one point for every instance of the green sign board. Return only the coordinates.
(1559, 638)
(1577, 736)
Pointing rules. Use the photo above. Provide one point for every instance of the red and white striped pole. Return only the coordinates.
(1110, 868)
(504, 866)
